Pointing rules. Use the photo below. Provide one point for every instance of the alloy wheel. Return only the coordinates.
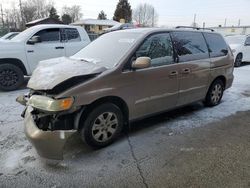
(105, 125)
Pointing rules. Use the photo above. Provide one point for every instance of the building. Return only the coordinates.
(233, 30)
(94, 25)
(43, 21)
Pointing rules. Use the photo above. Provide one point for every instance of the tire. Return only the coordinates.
(97, 130)
(238, 60)
(214, 93)
(11, 77)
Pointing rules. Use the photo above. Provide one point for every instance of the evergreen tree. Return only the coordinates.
(66, 19)
(123, 11)
(102, 16)
(53, 13)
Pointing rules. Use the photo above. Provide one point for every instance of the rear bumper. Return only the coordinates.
(48, 144)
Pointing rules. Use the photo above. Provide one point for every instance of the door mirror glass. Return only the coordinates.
(35, 39)
(141, 63)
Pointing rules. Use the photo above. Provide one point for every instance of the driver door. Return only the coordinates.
(49, 47)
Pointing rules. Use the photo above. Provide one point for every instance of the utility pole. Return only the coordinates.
(204, 25)
(239, 23)
(2, 14)
(194, 20)
(225, 23)
(21, 13)
(153, 17)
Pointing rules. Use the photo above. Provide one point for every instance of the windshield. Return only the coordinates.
(235, 39)
(108, 49)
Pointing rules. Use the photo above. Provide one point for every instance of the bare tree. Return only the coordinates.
(36, 9)
(145, 15)
(74, 12)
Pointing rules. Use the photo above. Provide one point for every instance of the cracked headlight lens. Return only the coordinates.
(50, 104)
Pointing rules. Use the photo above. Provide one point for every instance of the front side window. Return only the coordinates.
(216, 44)
(190, 46)
(49, 35)
(159, 48)
(72, 35)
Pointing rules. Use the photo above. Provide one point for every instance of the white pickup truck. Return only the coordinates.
(20, 55)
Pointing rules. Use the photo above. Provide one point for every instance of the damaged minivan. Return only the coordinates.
(121, 77)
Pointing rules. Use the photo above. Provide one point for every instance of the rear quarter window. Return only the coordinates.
(72, 35)
(216, 44)
(190, 46)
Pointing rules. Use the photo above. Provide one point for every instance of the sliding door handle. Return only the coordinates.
(59, 47)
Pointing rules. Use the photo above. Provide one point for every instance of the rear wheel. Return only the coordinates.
(11, 77)
(238, 60)
(102, 126)
(215, 93)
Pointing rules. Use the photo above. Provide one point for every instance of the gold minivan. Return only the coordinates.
(121, 77)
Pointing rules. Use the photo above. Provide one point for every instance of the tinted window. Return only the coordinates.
(49, 35)
(190, 45)
(216, 44)
(159, 48)
(72, 35)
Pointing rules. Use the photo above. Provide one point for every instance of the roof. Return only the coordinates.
(96, 22)
(153, 30)
(44, 26)
(35, 22)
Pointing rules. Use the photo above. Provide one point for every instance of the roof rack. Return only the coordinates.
(197, 28)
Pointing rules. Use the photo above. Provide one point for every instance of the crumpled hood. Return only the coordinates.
(52, 72)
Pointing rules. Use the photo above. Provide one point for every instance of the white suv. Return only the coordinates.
(21, 55)
(240, 45)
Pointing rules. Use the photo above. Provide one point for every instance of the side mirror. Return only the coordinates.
(141, 63)
(224, 51)
(33, 40)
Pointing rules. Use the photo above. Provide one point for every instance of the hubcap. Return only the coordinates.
(105, 125)
(216, 93)
(8, 77)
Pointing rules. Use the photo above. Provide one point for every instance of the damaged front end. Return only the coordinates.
(49, 123)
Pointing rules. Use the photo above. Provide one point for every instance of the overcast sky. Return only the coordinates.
(171, 12)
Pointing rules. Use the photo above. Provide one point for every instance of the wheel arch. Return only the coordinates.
(15, 62)
(118, 101)
(222, 78)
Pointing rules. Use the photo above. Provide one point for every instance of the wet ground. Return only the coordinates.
(190, 147)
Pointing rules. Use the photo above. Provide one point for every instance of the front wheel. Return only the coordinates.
(214, 93)
(238, 60)
(11, 77)
(102, 126)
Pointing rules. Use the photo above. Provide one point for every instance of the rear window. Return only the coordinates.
(216, 44)
(190, 46)
(72, 35)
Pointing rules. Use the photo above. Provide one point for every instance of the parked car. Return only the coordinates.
(120, 26)
(240, 45)
(9, 36)
(121, 77)
(20, 55)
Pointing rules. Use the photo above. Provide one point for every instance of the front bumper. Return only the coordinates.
(49, 144)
